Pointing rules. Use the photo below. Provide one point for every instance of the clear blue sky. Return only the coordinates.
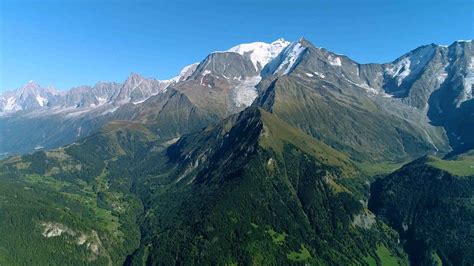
(69, 43)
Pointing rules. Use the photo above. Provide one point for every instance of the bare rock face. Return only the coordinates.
(91, 241)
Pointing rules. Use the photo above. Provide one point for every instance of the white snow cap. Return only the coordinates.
(260, 53)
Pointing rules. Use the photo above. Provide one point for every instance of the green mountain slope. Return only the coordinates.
(250, 190)
(73, 205)
(186, 177)
(327, 102)
(254, 190)
(430, 203)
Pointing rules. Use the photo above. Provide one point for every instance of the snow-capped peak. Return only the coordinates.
(260, 53)
(286, 60)
(31, 95)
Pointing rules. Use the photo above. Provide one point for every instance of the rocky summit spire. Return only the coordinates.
(133, 79)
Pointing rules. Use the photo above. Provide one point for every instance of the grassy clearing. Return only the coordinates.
(374, 169)
(49, 181)
(277, 237)
(254, 225)
(370, 261)
(337, 188)
(130, 126)
(461, 166)
(302, 255)
(436, 259)
(278, 133)
(386, 257)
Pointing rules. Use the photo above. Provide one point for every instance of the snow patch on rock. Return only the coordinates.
(400, 71)
(204, 74)
(319, 74)
(334, 61)
(245, 93)
(101, 100)
(292, 54)
(139, 102)
(111, 110)
(11, 105)
(41, 100)
(442, 75)
(185, 73)
(468, 81)
(411, 64)
(366, 87)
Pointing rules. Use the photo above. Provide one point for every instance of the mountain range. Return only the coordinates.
(279, 153)
(427, 89)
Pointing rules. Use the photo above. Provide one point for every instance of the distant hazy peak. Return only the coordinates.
(134, 79)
